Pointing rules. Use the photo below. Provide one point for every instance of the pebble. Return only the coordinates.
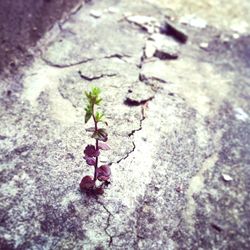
(141, 19)
(149, 49)
(240, 114)
(236, 36)
(112, 10)
(166, 48)
(96, 13)
(204, 45)
(227, 177)
(150, 24)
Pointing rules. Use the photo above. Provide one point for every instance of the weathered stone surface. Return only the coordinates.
(190, 125)
(139, 94)
(149, 49)
(23, 23)
(154, 70)
(148, 23)
(166, 48)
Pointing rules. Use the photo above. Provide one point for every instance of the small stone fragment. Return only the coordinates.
(236, 36)
(224, 38)
(140, 94)
(141, 20)
(150, 28)
(145, 22)
(96, 13)
(112, 10)
(175, 31)
(227, 177)
(149, 49)
(204, 45)
(166, 48)
(241, 115)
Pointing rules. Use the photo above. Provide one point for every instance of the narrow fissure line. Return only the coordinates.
(94, 77)
(143, 117)
(62, 66)
(107, 223)
(140, 125)
(127, 155)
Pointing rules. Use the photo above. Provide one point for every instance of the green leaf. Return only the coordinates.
(99, 116)
(98, 101)
(95, 91)
(87, 116)
(87, 94)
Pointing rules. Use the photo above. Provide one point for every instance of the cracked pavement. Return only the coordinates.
(176, 125)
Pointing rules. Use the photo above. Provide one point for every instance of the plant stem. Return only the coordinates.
(96, 160)
(96, 146)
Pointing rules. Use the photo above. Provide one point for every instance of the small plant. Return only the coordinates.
(92, 152)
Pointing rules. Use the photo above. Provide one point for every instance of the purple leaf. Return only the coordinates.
(87, 182)
(101, 134)
(90, 160)
(90, 151)
(103, 146)
(92, 129)
(99, 191)
(103, 173)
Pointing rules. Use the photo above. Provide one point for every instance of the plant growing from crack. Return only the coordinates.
(92, 152)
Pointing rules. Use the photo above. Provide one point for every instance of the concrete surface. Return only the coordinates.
(23, 23)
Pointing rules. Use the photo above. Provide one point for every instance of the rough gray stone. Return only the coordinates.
(156, 70)
(149, 49)
(166, 48)
(148, 23)
(23, 23)
(139, 94)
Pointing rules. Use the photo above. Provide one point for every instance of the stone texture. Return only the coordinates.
(187, 125)
(23, 23)
(166, 48)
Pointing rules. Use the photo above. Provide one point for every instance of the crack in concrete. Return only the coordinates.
(73, 12)
(116, 55)
(127, 154)
(66, 98)
(143, 117)
(65, 30)
(145, 79)
(107, 223)
(94, 77)
(85, 60)
(62, 66)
